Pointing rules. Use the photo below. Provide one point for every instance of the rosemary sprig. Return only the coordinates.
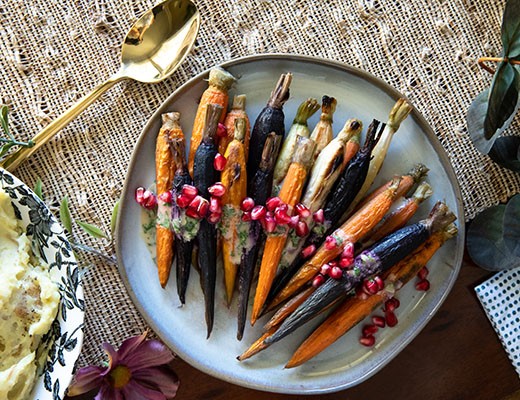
(9, 141)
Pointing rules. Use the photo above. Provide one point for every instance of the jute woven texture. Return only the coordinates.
(54, 51)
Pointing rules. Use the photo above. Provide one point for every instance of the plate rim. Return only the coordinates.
(432, 138)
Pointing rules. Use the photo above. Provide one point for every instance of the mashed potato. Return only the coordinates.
(28, 305)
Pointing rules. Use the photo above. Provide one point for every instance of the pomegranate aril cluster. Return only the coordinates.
(145, 198)
(378, 322)
(423, 284)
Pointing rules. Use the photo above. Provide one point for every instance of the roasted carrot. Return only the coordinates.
(322, 133)
(205, 175)
(234, 230)
(284, 311)
(257, 346)
(164, 172)
(355, 309)
(238, 110)
(290, 194)
(220, 81)
(398, 218)
(353, 230)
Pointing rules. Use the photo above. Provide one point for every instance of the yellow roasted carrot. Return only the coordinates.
(164, 173)
(290, 194)
(234, 179)
(238, 110)
(220, 82)
(355, 309)
(353, 230)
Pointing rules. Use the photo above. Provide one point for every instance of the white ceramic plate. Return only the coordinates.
(65, 337)
(346, 362)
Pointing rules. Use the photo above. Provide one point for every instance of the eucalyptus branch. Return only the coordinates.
(91, 250)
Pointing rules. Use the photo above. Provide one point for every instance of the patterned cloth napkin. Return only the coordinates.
(500, 297)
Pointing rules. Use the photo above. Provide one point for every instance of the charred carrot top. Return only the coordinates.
(355, 309)
(290, 195)
(351, 231)
(164, 171)
(220, 81)
(270, 119)
(322, 133)
(413, 176)
(238, 110)
(385, 253)
(205, 175)
(256, 347)
(233, 229)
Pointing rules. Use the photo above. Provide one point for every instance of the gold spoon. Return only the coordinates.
(153, 49)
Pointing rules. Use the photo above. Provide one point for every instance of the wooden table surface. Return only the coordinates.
(456, 356)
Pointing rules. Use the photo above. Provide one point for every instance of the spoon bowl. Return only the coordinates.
(152, 50)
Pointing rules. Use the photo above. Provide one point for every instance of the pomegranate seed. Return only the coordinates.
(166, 197)
(368, 341)
(189, 191)
(379, 321)
(379, 282)
(423, 285)
(139, 195)
(219, 163)
(258, 213)
(183, 201)
(348, 250)
(360, 293)
(370, 286)
(331, 243)
(325, 269)
(294, 221)
(214, 217)
(221, 130)
(333, 263)
(200, 205)
(269, 224)
(302, 229)
(391, 304)
(247, 204)
(217, 190)
(273, 202)
(281, 216)
(319, 216)
(190, 212)
(302, 210)
(336, 273)
(308, 251)
(391, 319)
(369, 330)
(318, 280)
(145, 198)
(246, 216)
(345, 262)
(423, 273)
(214, 205)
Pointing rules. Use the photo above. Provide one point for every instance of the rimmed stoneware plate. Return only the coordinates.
(65, 337)
(346, 362)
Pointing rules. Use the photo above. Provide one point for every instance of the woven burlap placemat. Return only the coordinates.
(52, 52)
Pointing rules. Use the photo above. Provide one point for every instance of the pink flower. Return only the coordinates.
(138, 370)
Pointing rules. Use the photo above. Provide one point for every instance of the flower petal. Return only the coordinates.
(135, 391)
(109, 393)
(113, 358)
(130, 345)
(150, 353)
(164, 379)
(85, 380)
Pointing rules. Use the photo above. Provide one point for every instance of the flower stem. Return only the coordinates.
(482, 60)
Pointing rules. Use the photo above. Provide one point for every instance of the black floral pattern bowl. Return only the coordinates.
(49, 240)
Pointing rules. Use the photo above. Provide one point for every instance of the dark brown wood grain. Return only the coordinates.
(456, 356)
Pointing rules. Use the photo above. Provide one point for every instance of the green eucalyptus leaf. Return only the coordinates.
(485, 241)
(38, 188)
(65, 217)
(511, 29)
(113, 219)
(503, 99)
(92, 230)
(475, 122)
(4, 110)
(505, 152)
(512, 225)
(5, 148)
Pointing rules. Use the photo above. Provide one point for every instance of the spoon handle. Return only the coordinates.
(47, 133)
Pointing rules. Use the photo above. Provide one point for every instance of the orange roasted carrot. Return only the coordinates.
(220, 82)
(234, 179)
(407, 181)
(353, 230)
(238, 110)
(398, 218)
(290, 194)
(356, 309)
(257, 346)
(164, 173)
